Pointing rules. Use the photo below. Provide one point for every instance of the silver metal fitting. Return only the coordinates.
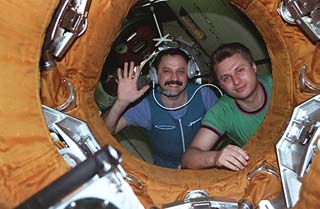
(71, 98)
(244, 204)
(263, 167)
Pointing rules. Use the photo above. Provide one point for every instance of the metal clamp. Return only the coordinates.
(68, 23)
(199, 199)
(285, 14)
(244, 204)
(71, 98)
(263, 167)
(72, 22)
(192, 194)
(136, 181)
(305, 85)
(304, 13)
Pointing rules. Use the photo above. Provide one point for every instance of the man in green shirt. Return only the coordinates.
(237, 114)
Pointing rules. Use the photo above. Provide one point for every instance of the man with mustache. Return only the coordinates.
(237, 114)
(169, 127)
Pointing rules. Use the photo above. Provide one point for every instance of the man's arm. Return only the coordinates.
(113, 120)
(127, 93)
(199, 156)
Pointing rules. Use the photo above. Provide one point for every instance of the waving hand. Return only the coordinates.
(127, 86)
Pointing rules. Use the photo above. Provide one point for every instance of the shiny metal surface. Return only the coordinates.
(199, 199)
(305, 13)
(296, 147)
(68, 23)
(73, 138)
(263, 167)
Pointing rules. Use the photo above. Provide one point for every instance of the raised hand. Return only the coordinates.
(232, 157)
(127, 86)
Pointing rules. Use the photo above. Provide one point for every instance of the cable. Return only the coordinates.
(179, 107)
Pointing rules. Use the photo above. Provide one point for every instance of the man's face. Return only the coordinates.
(237, 77)
(172, 74)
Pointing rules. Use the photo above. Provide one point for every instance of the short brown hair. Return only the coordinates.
(228, 50)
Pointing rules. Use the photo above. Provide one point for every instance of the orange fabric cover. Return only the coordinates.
(28, 160)
(262, 187)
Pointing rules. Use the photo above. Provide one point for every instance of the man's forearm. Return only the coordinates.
(197, 159)
(112, 117)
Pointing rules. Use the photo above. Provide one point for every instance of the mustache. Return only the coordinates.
(173, 82)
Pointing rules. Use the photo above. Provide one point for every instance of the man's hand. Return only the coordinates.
(127, 86)
(232, 157)
(127, 93)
